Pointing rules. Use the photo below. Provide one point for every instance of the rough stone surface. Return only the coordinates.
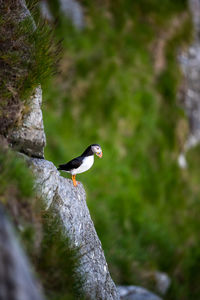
(136, 293)
(69, 203)
(29, 137)
(190, 63)
(16, 280)
(21, 11)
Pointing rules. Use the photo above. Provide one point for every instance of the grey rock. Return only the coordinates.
(71, 9)
(162, 282)
(45, 10)
(132, 292)
(190, 64)
(69, 204)
(19, 11)
(16, 279)
(29, 137)
(74, 11)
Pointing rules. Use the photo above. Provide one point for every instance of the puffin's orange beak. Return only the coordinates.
(100, 154)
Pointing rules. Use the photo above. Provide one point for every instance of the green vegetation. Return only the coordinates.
(109, 91)
(57, 262)
(53, 259)
(13, 170)
(27, 58)
(17, 194)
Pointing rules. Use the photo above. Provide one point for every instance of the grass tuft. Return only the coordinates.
(28, 56)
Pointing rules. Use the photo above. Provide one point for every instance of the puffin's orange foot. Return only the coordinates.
(74, 180)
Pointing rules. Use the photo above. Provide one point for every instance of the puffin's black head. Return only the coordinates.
(93, 149)
(96, 149)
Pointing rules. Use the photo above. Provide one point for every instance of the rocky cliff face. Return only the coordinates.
(69, 204)
(29, 138)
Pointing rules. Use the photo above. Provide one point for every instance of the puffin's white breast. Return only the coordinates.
(86, 165)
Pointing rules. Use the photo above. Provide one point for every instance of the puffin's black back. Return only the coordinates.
(76, 162)
(72, 164)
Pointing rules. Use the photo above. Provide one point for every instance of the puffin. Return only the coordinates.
(81, 163)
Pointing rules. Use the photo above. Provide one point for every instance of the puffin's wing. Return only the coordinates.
(72, 164)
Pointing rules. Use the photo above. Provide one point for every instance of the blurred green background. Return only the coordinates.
(117, 86)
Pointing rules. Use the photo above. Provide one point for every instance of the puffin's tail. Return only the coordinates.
(61, 167)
